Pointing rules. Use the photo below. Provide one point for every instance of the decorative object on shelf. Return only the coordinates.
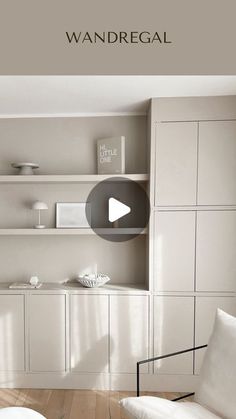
(93, 280)
(111, 155)
(39, 206)
(25, 168)
(73, 215)
(34, 281)
(24, 286)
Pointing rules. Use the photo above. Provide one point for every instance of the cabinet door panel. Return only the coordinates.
(129, 337)
(217, 163)
(89, 333)
(216, 251)
(47, 333)
(176, 163)
(12, 333)
(174, 251)
(205, 314)
(173, 331)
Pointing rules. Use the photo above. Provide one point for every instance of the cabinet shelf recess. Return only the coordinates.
(67, 231)
(69, 178)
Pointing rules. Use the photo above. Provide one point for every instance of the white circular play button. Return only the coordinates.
(117, 209)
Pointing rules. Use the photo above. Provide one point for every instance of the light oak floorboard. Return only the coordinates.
(72, 404)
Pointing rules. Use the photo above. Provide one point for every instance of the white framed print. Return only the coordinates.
(72, 215)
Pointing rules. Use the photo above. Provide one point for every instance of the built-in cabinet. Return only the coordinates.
(195, 163)
(89, 331)
(47, 333)
(193, 196)
(174, 250)
(12, 326)
(166, 285)
(217, 163)
(195, 250)
(216, 250)
(58, 338)
(173, 331)
(129, 337)
(176, 163)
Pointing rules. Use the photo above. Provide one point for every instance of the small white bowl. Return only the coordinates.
(93, 280)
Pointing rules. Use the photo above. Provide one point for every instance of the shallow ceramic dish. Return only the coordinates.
(93, 280)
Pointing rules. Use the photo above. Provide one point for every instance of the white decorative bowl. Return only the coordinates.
(93, 280)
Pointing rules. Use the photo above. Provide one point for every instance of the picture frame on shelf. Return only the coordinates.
(73, 215)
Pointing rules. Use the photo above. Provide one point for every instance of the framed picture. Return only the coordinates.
(72, 215)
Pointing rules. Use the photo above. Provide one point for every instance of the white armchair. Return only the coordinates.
(215, 397)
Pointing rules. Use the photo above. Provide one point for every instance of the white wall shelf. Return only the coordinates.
(67, 231)
(69, 178)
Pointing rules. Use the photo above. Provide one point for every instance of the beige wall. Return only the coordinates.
(68, 145)
(55, 259)
(64, 146)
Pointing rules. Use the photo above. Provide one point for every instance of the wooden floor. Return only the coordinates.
(71, 404)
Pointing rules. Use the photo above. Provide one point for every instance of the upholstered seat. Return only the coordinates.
(147, 407)
(19, 413)
(216, 393)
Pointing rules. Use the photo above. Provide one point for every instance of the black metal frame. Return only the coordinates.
(156, 358)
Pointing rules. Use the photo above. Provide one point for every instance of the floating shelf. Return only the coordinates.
(70, 178)
(68, 232)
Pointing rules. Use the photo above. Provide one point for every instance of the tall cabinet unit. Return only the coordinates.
(193, 200)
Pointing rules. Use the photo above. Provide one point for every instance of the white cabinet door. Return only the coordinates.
(12, 333)
(174, 251)
(47, 332)
(129, 332)
(176, 163)
(89, 333)
(205, 314)
(173, 332)
(216, 251)
(217, 163)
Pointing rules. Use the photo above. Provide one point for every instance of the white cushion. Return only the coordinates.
(217, 385)
(19, 413)
(147, 407)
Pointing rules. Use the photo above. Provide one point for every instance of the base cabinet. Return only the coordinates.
(89, 331)
(47, 333)
(12, 330)
(173, 331)
(96, 340)
(129, 332)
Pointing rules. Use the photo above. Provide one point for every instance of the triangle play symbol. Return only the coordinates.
(117, 209)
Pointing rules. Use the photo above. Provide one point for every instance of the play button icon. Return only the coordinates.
(117, 210)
